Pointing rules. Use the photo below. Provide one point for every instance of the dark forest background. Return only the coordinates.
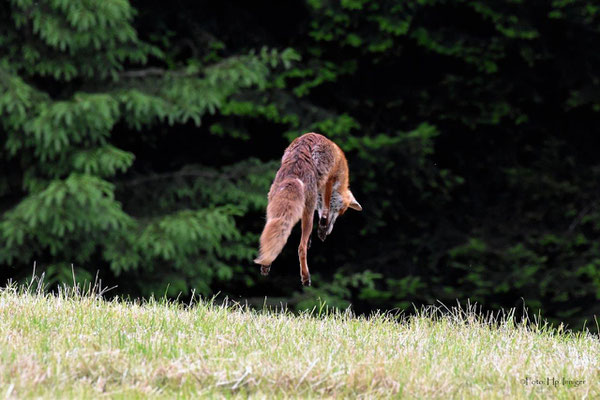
(139, 139)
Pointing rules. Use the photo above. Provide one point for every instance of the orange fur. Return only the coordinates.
(283, 212)
(313, 175)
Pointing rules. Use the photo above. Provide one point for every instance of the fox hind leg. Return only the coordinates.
(264, 270)
(307, 225)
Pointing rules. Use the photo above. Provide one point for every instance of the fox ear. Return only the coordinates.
(353, 203)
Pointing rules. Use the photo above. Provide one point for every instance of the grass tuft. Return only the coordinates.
(76, 344)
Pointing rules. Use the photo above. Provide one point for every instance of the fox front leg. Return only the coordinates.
(324, 214)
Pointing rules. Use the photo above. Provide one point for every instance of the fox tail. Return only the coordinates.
(283, 212)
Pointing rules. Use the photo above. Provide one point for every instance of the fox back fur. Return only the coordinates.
(313, 176)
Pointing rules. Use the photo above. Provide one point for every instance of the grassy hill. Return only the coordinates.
(74, 345)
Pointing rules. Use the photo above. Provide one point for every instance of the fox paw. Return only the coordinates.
(264, 270)
(305, 281)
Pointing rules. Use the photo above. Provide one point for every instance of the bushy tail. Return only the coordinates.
(283, 212)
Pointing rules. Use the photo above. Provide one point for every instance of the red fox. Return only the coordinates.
(313, 175)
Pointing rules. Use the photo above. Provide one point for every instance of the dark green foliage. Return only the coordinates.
(76, 86)
(142, 141)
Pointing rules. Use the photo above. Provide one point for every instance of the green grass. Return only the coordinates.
(73, 345)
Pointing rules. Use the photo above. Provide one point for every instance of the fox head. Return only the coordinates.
(340, 202)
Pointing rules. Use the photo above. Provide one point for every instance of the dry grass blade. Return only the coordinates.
(75, 344)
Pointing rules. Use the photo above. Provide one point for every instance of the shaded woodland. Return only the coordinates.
(140, 141)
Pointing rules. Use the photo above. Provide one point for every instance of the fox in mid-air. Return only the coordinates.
(313, 175)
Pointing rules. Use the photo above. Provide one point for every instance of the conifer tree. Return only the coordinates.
(80, 92)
